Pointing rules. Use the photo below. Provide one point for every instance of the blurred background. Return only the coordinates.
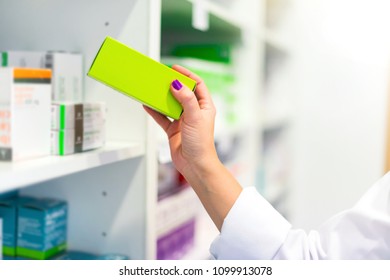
(318, 115)
(333, 72)
(301, 89)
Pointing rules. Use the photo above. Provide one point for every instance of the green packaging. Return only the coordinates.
(138, 76)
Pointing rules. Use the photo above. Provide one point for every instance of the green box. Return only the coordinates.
(138, 76)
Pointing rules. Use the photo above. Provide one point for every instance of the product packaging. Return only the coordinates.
(25, 102)
(138, 76)
(9, 211)
(42, 229)
(70, 115)
(77, 127)
(66, 67)
(176, 219)
(70, 141)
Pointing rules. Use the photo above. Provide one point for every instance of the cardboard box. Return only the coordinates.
(42, 229)
(75, 255)
(9, 210)
(69, 115)
(176, 243)
(27, 59)
(68, 77)
(67, 70)
(138, 76)
(70, 141)
(25, 102)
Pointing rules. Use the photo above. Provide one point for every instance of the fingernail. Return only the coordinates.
(177, 85)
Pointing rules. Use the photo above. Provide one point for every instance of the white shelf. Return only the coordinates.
(221, 12)
(19, 174)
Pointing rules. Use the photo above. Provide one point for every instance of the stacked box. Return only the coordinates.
(29, 59)
(42, 229)
(68, 115)
(77, 127)
(176, 218)
(25, 102)
(9, 211)
(66, 67)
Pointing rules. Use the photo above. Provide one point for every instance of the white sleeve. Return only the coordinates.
(253, 229)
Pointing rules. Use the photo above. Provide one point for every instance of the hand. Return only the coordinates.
(191, 138)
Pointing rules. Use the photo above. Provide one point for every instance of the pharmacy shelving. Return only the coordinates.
(277, 105)
(233, 83)
(112, 192)
(19, 174)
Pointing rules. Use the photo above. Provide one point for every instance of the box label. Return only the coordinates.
(79, 128)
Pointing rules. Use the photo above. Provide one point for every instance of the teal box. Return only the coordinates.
(8, 195)
(9, 213)
(42, 229)
(113, 257)
(75, 255)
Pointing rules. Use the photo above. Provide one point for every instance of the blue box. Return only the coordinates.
(8, 195)
(42, 228)
(9, 214)
(75, 255)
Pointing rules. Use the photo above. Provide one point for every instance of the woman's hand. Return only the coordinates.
(191, 138)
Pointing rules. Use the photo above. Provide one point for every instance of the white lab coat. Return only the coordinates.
(253, 229)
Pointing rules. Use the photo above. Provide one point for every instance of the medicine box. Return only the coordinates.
(176, 220)
(81, 255)
(67, 70)
(70, 141)
(9, 214)
(28, 59)
(75, 255)
(70, 115)
(42, 229)
(138, 76)
(25, 102)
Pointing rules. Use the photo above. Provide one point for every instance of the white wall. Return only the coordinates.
(340, 61)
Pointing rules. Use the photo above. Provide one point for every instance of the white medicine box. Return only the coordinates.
(25, 103)
(66, 69)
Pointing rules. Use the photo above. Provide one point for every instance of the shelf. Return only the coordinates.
(176, 22)
(220, 11)
(19, 174)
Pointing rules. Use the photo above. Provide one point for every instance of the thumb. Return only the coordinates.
(186, 98)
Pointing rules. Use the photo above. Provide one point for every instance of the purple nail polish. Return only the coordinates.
(177, 85)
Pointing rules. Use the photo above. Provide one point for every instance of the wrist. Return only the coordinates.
(197, 172)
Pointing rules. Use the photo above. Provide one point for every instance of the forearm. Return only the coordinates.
(216, 188)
